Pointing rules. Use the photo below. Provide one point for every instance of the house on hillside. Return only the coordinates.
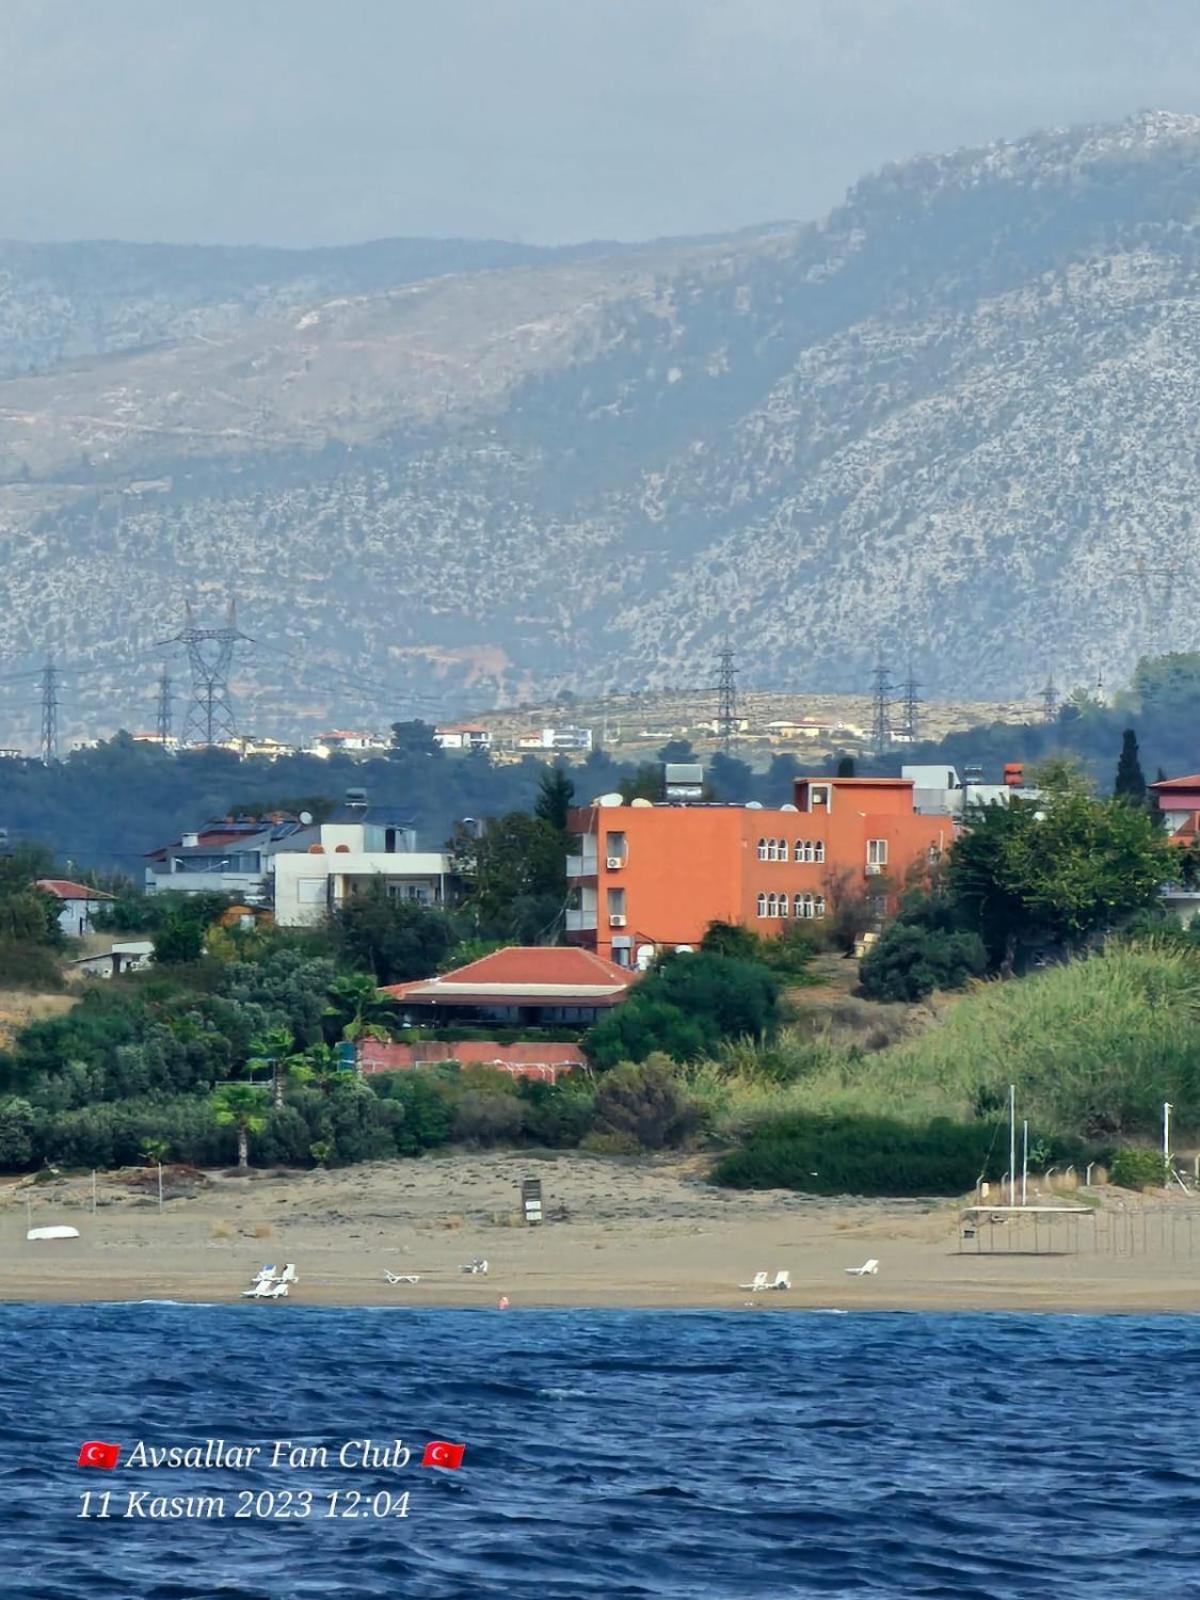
(654, 876)
(78, 904)
(523, 986)
(1178, 803)
(470, 736)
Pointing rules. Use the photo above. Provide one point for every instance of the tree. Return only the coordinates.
(556, 795)
(677, 751)
(394, 940)
(272, 1052)
(845, 767)
(358, 1008)
(1130, 781)
(241, 1106)
(910, 962)
(645, 784)
(516, 872)
(413, 739)
(179, 940)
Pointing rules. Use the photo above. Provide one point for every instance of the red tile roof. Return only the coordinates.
(533, 974)
(65, 889)
(1192, 782)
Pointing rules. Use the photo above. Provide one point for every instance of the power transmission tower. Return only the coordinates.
(881, 716)
(1049, 702)
(49, 711)
(209, 718)
(727, 717)
(912, 706)
(162, 726)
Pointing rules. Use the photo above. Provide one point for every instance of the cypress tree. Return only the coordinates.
(1131, 780)
(845, 767)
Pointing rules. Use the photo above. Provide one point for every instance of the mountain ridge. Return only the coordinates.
(950, 421)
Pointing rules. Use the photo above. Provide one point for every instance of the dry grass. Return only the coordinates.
(262, 1230)
(221, 1230)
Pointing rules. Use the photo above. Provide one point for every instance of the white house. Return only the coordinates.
(346, 858)
(464, 736)
(77, 904)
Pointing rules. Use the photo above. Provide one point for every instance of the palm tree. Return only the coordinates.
(318, 1064)
(273, 1050)
(363, 1011)
(240, 1106)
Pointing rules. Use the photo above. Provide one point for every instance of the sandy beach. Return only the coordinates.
(648, 1233)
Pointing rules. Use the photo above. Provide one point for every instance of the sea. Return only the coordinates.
(606, 1454)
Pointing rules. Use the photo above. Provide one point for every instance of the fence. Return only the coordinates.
(1161, 1229)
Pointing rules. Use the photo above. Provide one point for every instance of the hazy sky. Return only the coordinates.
(321, 121)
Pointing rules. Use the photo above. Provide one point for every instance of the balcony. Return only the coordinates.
(581, 921)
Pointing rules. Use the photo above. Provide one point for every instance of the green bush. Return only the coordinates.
(29, 966)
(426, 1107)
(866, 1155)
(642, 1101)
(1138, 1168)
(910, 962)
(685, 1006)
(558, 1114)
(16, 1135)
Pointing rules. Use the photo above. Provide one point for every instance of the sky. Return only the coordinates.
(304, 122)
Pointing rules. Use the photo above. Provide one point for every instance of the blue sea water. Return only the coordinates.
(704, 1456)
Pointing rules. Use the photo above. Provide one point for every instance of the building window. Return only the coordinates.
(818, 797)
(877, 852)
(762, 849)
(781, 849)
(935, 855)
(616, 847)
(762, 905)
(819, 906)
(616, 904)
(819, 850)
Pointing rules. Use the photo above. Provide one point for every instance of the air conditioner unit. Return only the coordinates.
(616, 921)
(874, 868)
(613, 862)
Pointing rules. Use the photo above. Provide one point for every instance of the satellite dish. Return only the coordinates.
(611, 800)
(684, 950)
(306, 818)
(645, 955)
(646, 803)
(789, 807)
(753, 805)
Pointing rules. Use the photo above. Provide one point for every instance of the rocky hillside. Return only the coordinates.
(955, 420)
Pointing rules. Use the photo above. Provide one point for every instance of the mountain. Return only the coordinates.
(952, 422)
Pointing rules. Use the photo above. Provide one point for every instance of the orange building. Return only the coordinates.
(658, 875)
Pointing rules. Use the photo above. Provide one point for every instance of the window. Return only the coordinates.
(818, 797)
(877, 852)
(781, 846)
(762, 849)
(935, 855)
(804, 906)
(616, 847)
(819, 906)
(762, 905)
(616, 903)
(819, 850)
(310, 891)
(772, 905)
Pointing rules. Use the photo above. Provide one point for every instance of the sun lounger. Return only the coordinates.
(783, 1280)
(279, 1289)
(479, 1265)
(869, 1269)
(760, 1282)
(401, 1277)
(260, 1291)
(289, 1274)
(264, 1275)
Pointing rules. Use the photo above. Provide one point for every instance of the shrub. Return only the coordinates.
(558, 1114)
(427, 1111)
(865, 1155)
(29, 966)
(642, 1101)
(685, 1006)
(1138, 1168)
(910, 962)
(487, 1109)
(16, 1135)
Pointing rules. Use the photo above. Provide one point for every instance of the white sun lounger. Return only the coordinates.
(279, 1289)
(783, 1280)
(289, 1274)
(760, 1282)
(869, 1269)
(401, 1277)
(260, 1291)
(478, 1265)
(264, 1275)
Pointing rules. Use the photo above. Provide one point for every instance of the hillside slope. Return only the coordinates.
(953, 420)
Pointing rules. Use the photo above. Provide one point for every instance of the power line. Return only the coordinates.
(210, 719)
(912, 706)
(726, 691)
(881, 715)
(162, 723)
(49, 739)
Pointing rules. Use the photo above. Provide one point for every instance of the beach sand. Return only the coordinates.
(647, 1233)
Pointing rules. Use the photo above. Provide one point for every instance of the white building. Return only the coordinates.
(464, 736)
(342, 742)
(563, 740)
(942, 790)
(78, 904)
(347, 858)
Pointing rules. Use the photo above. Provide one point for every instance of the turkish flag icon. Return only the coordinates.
(440, 1454)
(95, 1453)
